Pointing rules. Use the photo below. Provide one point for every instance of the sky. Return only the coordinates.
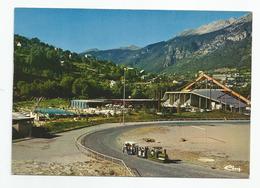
(81, 29)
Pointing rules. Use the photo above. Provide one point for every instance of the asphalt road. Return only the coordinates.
(104, 141)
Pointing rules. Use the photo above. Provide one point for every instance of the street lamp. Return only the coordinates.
(125, 69)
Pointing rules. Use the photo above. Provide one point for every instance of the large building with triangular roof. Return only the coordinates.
(206, 93)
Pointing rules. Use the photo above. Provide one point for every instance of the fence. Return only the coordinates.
(94, 154)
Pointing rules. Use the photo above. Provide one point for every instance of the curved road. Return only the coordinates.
(104, 141)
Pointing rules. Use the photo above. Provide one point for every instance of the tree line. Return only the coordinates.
(42, 70)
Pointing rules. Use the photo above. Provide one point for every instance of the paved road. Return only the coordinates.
(62, 149)
(104, 141)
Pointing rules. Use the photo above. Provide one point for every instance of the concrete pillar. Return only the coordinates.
(239, 109)
(225, 104)
(190, 99)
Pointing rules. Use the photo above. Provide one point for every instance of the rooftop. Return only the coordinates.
(216, 95)
(111, 100)
(19, 116)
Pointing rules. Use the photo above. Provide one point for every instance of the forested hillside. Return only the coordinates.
(42, 70)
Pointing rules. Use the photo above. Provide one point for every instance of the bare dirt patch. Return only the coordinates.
(87, 168)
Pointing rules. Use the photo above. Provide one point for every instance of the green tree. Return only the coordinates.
(24, 89)
(80, 87)
(138, 93)
(66, 85)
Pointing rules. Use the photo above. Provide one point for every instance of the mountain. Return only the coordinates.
(92, 50)
(42, 70)
(131, 47)
(223, 43)
(214, 26)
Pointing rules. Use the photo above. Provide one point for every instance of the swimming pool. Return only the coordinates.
(53, 111)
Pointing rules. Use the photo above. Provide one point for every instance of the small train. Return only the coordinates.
(153, 153)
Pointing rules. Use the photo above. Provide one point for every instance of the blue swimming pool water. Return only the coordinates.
(53, 111)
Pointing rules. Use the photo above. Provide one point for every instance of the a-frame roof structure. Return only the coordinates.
(224, 88)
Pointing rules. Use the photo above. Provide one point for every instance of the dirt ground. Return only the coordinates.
(214, 146)
(87, 168)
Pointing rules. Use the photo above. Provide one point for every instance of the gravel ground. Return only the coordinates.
(87, 168)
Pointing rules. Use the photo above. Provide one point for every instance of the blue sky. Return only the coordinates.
(81, 29)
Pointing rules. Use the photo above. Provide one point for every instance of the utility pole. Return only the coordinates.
(206, 105)
(124, 100)
(125, 69)
(210, 104)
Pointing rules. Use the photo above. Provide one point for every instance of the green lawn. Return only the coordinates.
(216, 114)
(66, 124)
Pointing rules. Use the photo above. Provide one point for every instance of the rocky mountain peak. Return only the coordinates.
(91, 50)
(203, 44)
(246, 18)
(213, 26)
(130, 47)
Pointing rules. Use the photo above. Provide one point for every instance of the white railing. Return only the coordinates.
(94, 154)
